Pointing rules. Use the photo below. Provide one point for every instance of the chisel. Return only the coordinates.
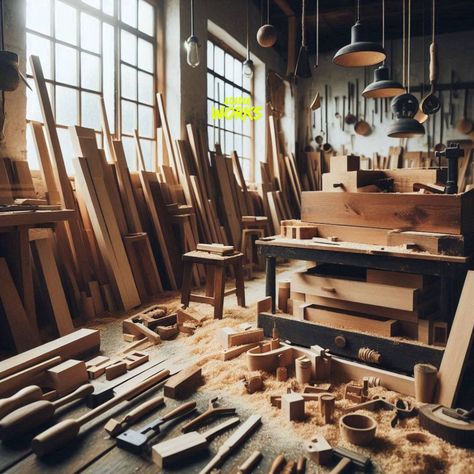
(67, 430)
(233, 443)
(29, 417)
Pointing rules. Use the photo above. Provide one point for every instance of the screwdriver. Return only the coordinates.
(25, 419)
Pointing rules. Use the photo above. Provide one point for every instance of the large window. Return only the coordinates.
(226, 81)
(90, 48)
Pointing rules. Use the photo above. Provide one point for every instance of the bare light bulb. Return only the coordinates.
(192, 51)
(248, 68)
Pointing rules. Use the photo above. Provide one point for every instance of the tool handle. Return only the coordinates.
(79, 394)
(433, 63)
(277, 464)
(343, 464)
(21, 398)
(181, 410)
(125, 395)
(141, 410)
(209, 434)
(216, 460)
(204, 416)
(251, 463)
(329, 289)
(55, 437)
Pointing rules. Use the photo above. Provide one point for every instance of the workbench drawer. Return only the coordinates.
(388, 296)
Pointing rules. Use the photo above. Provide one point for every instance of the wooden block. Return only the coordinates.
(283, 295)
(337, 318)
(458, 347)
(351, 181)
(405, 179)
(152, 336)
(97, 361)
(327, 403)
(185, 316)
(282, 374)
(167, 332)
(129, 337)
(318, 388)
(244, 337)
(183, 384)
(233, 352)
(440, 333)
(253, 382)
(292, 407)
(319, 450)
(425, 331)
(134, 359)
(187, 328)
(23, 183)
(264, 305)
(302, 370)
(422, 212)
(67, 376)
(219, 249)
(344, 163)
(115, 370)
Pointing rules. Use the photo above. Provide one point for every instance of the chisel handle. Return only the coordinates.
(141, 410)
(181, 410)
(21, 398)
(55, 437)
(79, 394)
(342, 465)
(433, 63)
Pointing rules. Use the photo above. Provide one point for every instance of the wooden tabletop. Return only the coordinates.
(32, 218)
(200, 256)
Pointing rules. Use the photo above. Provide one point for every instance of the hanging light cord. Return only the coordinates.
(357, 11)
(404, 46)
(268, 12)
(433, 22)
(317, 33)
(409, 46)
(1, 24)
(303, 39)
(383, 24)
(248, 51)
(192, 17)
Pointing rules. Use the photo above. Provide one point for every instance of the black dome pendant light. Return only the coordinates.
(359, 52)
(405, 106)
(302, 63)
(383, 86)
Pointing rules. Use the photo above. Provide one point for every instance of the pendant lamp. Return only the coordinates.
(192, 43)
(405, 106)
(360, 52)
(383, 86)
(302, 63)
(267, 34)
(248, 63)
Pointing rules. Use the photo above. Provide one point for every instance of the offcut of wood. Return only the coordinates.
(184, 383)
(238, 338)
(67, 376)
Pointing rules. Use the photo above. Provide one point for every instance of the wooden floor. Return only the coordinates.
(94, 452)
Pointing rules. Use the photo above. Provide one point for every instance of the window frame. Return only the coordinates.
(118, 26)
(250, 91)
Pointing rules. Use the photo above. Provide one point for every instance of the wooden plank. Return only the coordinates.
(57, 298)
(432, 213)
(106, 130)
(183, 384)
(458, 347)
(243, 185)
(408, 280)
(349, 181)
(72, 229)
(166, 130)
(46, 167)
(360, 322)
(6, 196)
(275, 150)
(23, 186)
(275, 213)
(404, 179)
(23, 334)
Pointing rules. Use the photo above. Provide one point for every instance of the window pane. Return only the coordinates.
(238, 145)
(90, 111)
(66, 65)
(41, 47)
(92, 3)
(229, 143)
(129, 47)
(66, 23)
(146, 17)
(66, 106)
(228, 91)
(219, 60)
(37, 17)
(145, 55)
(90, 33)
(237, 72)
(210, 104)
(145, 121)
(145, 88)
(90, 72)
(108, 72)
(31, 156)
(210, 55)
(108, 7)
(33, 110)
(129, 12)
(130, 152)
(210, 86)
(245, 169)
(246, 150)
(129, 82)
(219, 90)
(129, 117)
(229, 67)
(67, 149)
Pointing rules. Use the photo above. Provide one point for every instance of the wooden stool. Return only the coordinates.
(215, 279)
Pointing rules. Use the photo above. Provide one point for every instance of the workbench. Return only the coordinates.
(398, 354)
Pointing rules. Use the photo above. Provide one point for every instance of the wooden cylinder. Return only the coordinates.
(326, 405)
(425, 382)
(303, 370)
(282, 374)
(283, 295)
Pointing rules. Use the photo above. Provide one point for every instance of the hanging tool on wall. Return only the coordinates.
(452, 154)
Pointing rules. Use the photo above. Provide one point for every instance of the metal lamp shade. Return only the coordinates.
(404, 108)
(302, 64)
(383, 86)
(359, 53)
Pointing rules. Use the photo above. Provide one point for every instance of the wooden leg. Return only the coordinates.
(270, 280)
(219, 285)
(239, 284)
(209, 280)
(187, 282)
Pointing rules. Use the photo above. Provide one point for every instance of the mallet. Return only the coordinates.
(67, 430)
(21, 398)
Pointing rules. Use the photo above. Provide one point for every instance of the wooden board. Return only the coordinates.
(404, 179)
(23, 334)
(23, 186)
(349, 181)
(458, 347)
(57, 298)
(431, 213)
(6, 196)
(183, 384)
(166, 131)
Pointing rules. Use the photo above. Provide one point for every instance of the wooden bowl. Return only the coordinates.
(358, 429)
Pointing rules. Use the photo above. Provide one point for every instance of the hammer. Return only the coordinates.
(135, 441)
(347, 457)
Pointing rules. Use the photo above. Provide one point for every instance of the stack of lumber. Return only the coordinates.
(380, 302)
